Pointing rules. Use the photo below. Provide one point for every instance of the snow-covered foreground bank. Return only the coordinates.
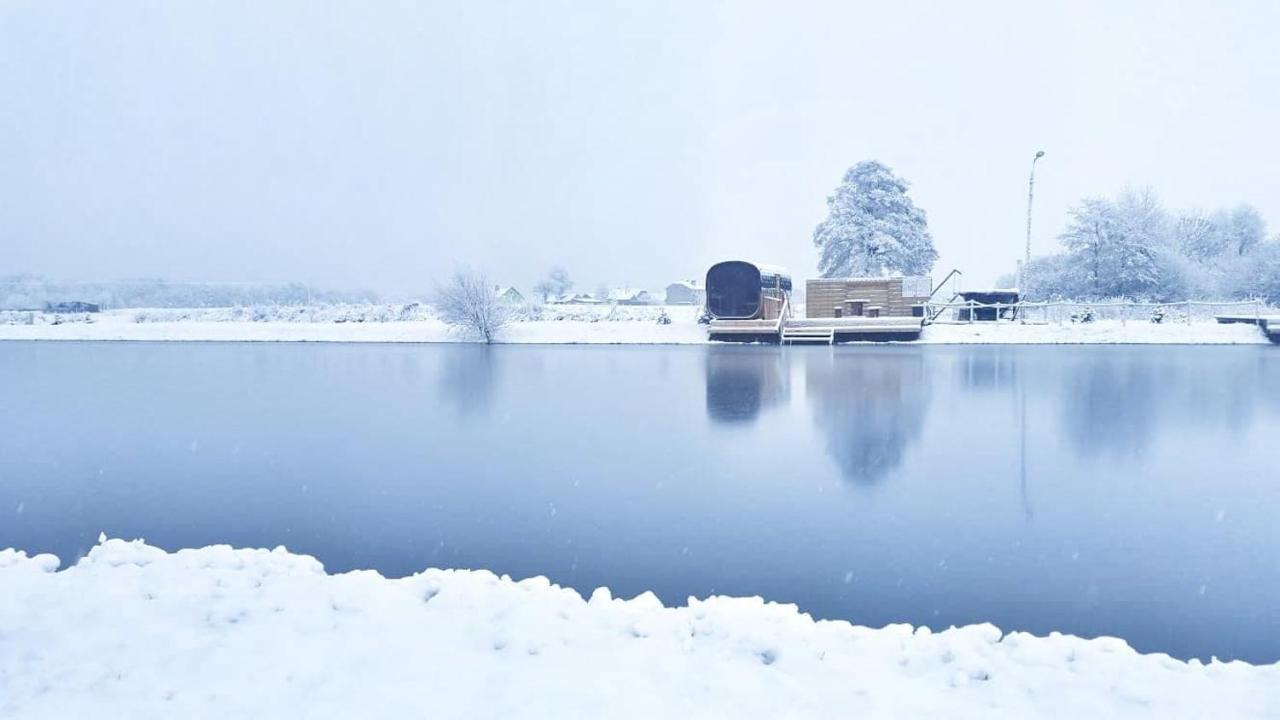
(133, 631)
(560, 325)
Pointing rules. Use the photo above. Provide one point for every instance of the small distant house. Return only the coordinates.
(508, 295)
(574, 299)
(866, 297)
(629, 296)
(73, 306)
(686, 292)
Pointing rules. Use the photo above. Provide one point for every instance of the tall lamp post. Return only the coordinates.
(1031, 193)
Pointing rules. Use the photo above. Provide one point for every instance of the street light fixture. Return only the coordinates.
(1031, 193)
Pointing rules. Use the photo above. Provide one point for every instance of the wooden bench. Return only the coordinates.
(855, 307)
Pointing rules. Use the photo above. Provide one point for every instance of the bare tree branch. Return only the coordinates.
(468, 302)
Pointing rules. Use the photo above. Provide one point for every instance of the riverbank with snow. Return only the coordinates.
(623, 325)
(133, 631)
(1101, 332)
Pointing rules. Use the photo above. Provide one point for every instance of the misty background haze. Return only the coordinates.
(379, 146)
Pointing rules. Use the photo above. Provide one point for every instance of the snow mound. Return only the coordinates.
(133, 631)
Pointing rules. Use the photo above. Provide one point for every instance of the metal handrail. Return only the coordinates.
(936, 288)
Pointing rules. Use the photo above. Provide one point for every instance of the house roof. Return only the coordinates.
(627, 293)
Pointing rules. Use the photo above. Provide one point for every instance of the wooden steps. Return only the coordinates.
(792, 335)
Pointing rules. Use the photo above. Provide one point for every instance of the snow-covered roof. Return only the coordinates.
(627, 293)
(764, 268)
(772, 269)
(581, 298)
(691, 284)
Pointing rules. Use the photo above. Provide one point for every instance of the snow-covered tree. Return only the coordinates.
(468, 302)
(873, 228)
(1235, 231)
(1130, 247)
(1120, 245)
(556, 283)
(1197, 236)
(1260, 278)
(1244, 229)
(1054, 276)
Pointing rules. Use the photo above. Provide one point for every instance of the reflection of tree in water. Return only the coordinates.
(1116, 400)
(1111, 405)
(742, 381)
(871, 406)
(986, 368)
(467, 378)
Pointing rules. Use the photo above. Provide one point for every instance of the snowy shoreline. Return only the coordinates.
(634, 326)
(133, 631)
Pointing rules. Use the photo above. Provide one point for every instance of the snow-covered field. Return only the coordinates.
(131, 631)
(552, 324)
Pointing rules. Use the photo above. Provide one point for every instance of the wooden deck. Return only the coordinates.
(1269, 324)
(817, 330)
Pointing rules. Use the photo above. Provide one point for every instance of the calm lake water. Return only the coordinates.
(1128, 491)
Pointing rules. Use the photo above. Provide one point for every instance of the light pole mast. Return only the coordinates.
(1031, 193)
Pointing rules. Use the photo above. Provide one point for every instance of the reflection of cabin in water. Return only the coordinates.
(749, 302)
(743, 381)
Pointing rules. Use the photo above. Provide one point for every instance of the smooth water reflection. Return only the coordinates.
(1108, 490)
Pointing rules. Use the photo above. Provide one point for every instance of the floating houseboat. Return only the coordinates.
(748, 302)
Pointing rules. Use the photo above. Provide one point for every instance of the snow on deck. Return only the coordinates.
(133, 631)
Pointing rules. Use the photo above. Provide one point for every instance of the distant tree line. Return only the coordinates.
(1131, 247)
(25, 291)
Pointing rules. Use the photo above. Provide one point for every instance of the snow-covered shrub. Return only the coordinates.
(468, 302)
(663, 317)
(1084, 315)
(1157, 314)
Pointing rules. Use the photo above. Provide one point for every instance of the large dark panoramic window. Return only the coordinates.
(733, 290)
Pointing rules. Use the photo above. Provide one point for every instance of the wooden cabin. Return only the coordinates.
(866, 297)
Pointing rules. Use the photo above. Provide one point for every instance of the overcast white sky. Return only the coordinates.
(379, 144)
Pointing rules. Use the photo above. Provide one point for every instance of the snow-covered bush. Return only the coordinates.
(468, 302)
(1084, 315)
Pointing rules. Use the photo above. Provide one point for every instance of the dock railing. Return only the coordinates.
(1124, 311)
